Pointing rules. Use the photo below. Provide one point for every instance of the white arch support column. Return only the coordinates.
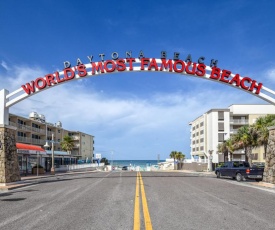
(4, 111)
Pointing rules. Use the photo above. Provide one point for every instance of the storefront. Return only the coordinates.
(29, 156)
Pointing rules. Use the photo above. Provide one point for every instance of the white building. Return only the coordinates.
(216, 126)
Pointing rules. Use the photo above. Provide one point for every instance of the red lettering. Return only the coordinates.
(242, 82)
(29, 88)
(165, 65)
(68, 77)
(257, 86)
(175, 66)
(144, 61)
(109, 62)
(153, 64)
(40, 79)
(130, 61)
(97, 67)
(50, 79)
(82, 72)
(120, 65)
(235, 79)
(193, 69)
(215, 73)
(200, 70)
(225, 74)
(57, 77)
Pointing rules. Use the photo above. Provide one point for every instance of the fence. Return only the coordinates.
(63, 168)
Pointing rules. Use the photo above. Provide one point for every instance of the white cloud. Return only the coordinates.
(4, 65)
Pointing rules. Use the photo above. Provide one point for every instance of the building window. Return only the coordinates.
(221, 115)
(201, 124)
(193, 142)
(193, 128)
(201, 140)
(201, 148)
(197, 149)
(220, 126)
(197, 126)
(197, 133)
(220, 137)
(201, 132)
(193, 149)
(58, 130)
(197, 141)
(193, 134)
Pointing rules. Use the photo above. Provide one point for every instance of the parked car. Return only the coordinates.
(125, 168)
(239, 170)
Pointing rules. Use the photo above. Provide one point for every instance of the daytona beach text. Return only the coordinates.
(143, 64)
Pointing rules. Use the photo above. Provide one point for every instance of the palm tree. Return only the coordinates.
(180, 156)
(246, 138)
(263, 133)
(173, 155)
(67, 144)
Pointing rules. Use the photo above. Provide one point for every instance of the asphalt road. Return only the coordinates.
(106, 200)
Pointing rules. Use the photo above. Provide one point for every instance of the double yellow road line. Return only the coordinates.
(147, 219)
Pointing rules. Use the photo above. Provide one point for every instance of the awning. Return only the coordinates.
(29, 149)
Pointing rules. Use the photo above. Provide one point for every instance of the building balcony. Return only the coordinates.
(38, 141)
(239, 121)
(38, 130)
(233, 131)
(24, 139)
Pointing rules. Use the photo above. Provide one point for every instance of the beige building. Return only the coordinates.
(35, 130)
(216, 126)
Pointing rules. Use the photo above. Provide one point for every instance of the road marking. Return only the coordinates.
(147, 219)
(136, 212)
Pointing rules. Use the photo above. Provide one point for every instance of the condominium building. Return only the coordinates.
(36, 131)
(216, 126)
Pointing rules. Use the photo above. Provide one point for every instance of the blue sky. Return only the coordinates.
(135, 115)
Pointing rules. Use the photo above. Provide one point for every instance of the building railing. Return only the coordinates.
(38, 141)
(239, 121)
(24, 139)
(78, 166)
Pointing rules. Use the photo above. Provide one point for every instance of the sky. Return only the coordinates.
(139, 115)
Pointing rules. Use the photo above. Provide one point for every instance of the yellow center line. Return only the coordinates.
(136, 212)
(147, 219)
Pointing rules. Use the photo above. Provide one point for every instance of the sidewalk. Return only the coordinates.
(33, 179)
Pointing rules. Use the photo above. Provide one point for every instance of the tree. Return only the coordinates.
(67, 144)
(173, 155)
(180, 157)
(227, 147)
(246, 138)
(261, 126)
(104, 160)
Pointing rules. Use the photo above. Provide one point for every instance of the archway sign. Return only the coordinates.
(116, 64)
(127, 63)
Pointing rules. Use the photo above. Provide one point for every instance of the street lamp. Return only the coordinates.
(210, 157)
(52, 169)
(46, 146)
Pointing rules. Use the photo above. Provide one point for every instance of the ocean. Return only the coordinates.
(134, 163)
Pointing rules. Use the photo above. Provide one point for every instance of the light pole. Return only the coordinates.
(52, 169)
(46, 146)
(210, 157)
